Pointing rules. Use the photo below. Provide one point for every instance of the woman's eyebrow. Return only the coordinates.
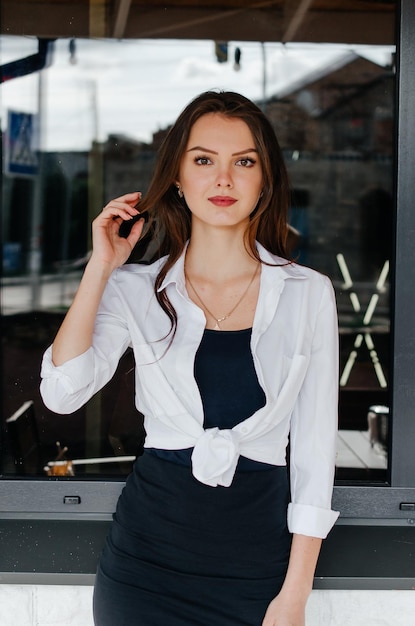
(202, 149)
(244, 151)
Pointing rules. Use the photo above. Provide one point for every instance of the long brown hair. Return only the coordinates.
(170, 218)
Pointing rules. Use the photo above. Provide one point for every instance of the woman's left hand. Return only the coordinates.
(285, 611)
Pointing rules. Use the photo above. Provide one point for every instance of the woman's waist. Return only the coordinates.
(216, 453)
(184, 457)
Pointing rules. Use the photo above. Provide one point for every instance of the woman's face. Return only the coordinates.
(220, 172)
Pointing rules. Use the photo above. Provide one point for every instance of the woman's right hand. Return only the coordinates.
(109, 249)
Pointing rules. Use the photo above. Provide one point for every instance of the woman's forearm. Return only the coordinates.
(302, 564)
(75, 334)
(288, 607)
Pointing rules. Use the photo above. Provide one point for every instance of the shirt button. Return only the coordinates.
(244, 430)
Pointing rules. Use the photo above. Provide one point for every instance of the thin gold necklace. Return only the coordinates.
(219, 320)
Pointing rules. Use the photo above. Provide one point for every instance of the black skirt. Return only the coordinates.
(183, 553)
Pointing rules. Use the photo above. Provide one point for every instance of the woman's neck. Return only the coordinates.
(223, 279)
(218, 255)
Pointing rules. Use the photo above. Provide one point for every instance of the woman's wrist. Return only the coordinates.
(300, 590)
(98, 269)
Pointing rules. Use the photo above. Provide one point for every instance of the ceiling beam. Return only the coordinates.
(256, 21)
(122, 10)
(48, 19)
(200, 17)
(295, 13)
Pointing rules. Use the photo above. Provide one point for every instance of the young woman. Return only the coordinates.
(236, 352)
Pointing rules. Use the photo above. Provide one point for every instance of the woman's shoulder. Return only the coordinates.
(129, 279)
(145, 270)
(311, 273)
(292, 269)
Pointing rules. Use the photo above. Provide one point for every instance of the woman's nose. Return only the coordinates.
(223, 174)
(224, 178)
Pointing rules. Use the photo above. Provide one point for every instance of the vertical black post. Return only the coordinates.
(403, 405)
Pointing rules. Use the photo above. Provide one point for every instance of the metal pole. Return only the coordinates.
(35, 243)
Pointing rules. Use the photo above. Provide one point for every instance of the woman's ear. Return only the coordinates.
(179, 189)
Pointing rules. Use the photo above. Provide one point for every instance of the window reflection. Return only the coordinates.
(338, 134)
(335, 125)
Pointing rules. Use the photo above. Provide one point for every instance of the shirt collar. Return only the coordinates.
(272, 262)
(176, 273)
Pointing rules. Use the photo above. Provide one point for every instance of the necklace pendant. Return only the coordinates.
(220, 320)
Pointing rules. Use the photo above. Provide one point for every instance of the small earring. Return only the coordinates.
(179, 191)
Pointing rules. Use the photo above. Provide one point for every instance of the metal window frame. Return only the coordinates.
(359, 502)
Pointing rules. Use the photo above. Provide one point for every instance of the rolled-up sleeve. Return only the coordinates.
(66, 388)
(313, 431)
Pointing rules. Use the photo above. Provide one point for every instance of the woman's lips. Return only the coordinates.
(222, 200)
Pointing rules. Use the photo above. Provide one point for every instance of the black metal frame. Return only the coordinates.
(382, 511)
(384, 503)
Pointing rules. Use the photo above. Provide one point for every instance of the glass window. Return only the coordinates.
(86, 128)
(337, 131)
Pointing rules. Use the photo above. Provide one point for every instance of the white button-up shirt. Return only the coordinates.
(294, 344)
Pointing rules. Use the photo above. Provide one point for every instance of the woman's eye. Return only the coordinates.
(202, 160)
(246, 162)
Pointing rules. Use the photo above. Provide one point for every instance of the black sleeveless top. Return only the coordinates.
(225, 374)
(226, 377)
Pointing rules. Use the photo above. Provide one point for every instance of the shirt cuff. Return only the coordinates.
(73, 375)
(313, 521)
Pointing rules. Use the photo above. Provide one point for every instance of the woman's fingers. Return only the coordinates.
(130, 197)
(122, 207)
(135, 232)
(108, 245)
(119, 209)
